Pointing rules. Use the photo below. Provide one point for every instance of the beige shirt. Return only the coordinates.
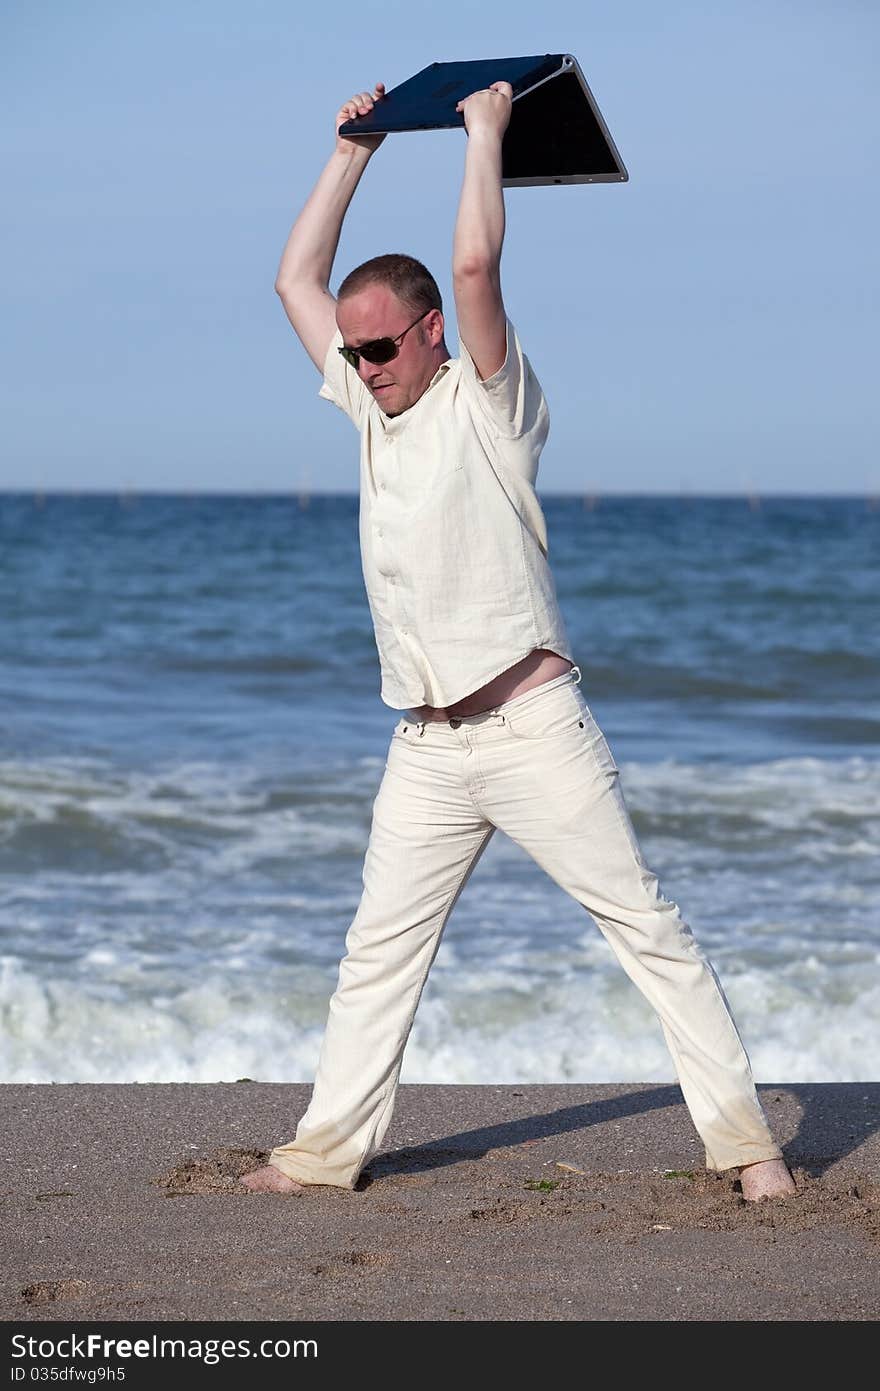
(453, 539)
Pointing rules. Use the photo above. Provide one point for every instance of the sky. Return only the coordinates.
(709, 326)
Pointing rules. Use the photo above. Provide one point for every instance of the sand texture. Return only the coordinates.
(556, 1202)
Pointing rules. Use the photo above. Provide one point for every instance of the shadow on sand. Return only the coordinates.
(819, 1124)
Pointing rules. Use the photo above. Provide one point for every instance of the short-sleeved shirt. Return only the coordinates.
(453, 538)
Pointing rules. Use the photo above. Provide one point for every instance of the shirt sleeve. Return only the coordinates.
(342, 385)
(512, 398)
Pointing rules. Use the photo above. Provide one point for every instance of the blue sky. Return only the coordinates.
(710, 326)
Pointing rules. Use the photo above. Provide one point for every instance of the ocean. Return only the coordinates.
(192, 736)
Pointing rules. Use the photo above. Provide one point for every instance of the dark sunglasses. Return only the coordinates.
(379, 350)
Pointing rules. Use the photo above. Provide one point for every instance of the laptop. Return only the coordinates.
(556, 133)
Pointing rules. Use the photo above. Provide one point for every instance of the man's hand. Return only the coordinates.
(359, 105)
(488, 109)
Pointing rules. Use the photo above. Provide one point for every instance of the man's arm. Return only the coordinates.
(303, 279)
(479, 230)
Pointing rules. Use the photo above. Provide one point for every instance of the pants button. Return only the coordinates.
(453, 724)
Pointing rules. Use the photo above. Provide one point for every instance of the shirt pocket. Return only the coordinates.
(435, 450)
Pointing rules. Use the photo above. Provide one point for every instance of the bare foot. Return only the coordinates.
(770, 1178)
(268, 1179)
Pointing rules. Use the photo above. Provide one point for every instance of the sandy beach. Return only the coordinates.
(558, 1202)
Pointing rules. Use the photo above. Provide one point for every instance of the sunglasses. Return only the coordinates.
(379, 350)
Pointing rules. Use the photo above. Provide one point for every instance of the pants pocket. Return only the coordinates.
(559, 714)
(547, 715)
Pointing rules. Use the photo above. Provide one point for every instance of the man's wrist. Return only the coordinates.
(358, 154)
(487, 136)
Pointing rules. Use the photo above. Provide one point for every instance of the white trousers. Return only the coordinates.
(539, 769)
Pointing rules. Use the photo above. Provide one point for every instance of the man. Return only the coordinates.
(495, 732)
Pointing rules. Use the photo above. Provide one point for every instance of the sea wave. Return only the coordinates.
(590, 1025)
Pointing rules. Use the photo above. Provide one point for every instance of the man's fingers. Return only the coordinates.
(502, 89)
(362, 102)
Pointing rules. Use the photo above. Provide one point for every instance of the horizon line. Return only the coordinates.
(128, 490)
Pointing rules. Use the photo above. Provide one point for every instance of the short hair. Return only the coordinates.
(407, 278)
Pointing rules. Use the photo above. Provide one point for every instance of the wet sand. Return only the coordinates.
(557, 1202)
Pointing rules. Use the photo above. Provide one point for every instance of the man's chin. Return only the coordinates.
(386, 400)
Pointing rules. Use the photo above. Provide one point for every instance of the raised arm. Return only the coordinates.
(479, 230)
(303, 279)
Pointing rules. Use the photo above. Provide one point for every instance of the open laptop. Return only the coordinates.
(556, 133)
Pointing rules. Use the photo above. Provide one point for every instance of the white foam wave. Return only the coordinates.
(584, 1025)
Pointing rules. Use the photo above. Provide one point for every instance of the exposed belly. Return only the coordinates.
(539, 666)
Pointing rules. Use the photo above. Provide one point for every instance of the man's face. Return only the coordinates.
(376, 312)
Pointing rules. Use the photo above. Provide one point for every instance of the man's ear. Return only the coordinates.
(436, 326)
